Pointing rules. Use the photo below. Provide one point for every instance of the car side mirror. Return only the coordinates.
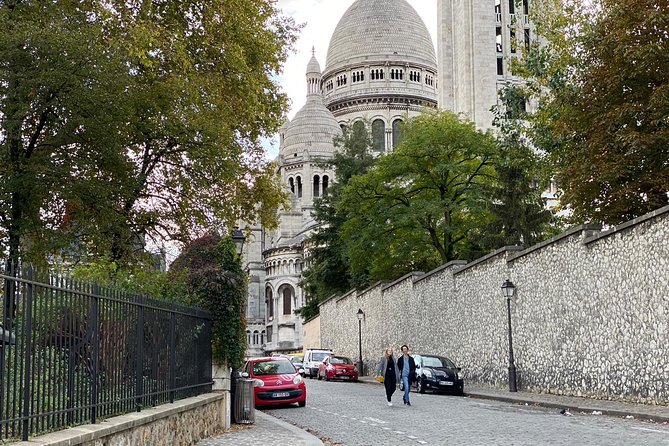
(245, 375)
(300, 371)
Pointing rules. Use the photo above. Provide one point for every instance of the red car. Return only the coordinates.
(337, 367)
(277, 382)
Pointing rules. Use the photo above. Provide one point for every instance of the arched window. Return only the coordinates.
(397, 132)
(378, 135)
(299, 187)
(262, 337)
(326, 182)
(287, 293)
(256, 337)
(292, 185)
(269, 299)
(317, 186)
(248, 337)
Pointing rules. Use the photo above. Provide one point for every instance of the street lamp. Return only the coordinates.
(509, 289)
(361, 315)
(238, 238)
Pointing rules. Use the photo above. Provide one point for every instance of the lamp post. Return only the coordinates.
(509, 289)
(361, 315)
(238, 238)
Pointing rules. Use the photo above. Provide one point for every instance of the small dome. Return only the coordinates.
(380, 30)
(313, 67)
(313, 129)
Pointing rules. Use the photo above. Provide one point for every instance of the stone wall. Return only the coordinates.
(590, 316)
(183, 423)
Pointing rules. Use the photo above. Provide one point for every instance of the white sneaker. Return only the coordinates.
(389, 404)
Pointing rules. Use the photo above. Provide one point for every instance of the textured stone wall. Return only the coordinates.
(590, 316)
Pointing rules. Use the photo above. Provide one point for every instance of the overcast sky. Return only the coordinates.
(320, 17)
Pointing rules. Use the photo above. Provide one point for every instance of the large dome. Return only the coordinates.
(380, 30)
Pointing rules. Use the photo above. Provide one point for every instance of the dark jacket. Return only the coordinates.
(412, 368)
(383, 366)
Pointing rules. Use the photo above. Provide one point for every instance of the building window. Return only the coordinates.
(269, 299)
(262, 337)
(498, 11)
(269, 334)
(292, 185)
(526, 7)
(329, 86)
(414, 76)
(500, 66)
(299, 187)
(396, 74)
(527, 39)
(397, 132)
(248, 336)
(358, 76)
(498, 39)
(376, 74)
(512, 38)
(341, 80)
(317, 186)
(512, 7)
(256, 337)
(378, 135)
(326, 181)
(287, 295)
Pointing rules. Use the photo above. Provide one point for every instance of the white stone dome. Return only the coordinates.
(380, 30)
(312, 129)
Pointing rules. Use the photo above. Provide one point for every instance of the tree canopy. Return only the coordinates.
(601, 78)
(133, 120)
(415, 209)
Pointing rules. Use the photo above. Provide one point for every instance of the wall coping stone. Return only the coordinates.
(345, 295)
(413, 274)
(91, 432)
(329, 299)
(380, 283)
(487, 257)
(627, 225)
(577, 230)
(439, 269)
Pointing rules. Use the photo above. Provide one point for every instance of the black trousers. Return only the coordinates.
(390, 385)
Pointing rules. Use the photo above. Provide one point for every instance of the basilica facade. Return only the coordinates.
(381, 69)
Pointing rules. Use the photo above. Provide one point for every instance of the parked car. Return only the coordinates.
(312, 359)
(438, 374)
(337, 367)
(277, 381)
(296, 360)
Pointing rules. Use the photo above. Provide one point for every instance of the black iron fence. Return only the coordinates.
(74, 353)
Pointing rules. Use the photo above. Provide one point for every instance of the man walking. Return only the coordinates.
(407, 368)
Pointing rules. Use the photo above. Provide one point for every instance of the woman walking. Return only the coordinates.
(388, 369)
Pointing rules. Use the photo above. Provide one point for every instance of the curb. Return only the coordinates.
(309, 439)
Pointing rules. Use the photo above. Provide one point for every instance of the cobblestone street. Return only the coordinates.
(351, 414)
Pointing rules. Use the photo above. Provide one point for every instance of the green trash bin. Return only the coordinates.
(245, 408)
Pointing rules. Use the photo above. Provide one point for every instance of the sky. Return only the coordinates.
(320, 17)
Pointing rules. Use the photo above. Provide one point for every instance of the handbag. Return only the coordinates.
(379, 378)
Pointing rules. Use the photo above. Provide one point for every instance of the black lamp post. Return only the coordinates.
(509, 290)
(238, 238)
(361, 315)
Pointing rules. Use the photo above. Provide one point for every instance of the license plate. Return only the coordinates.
(280, 394)
(344, 377)
(445, 383)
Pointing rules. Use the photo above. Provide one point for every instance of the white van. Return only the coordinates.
(312, 358)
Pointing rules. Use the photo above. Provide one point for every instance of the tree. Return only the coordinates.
(518, 213)
(133, 120)
(602, 80)
(216, 280)
(416, 208)
(328, 272)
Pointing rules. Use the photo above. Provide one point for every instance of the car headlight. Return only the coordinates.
(259, 382)
(427, 373)
(297, 379)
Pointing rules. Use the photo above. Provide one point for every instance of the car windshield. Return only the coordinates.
(279, 367)
(318, 356)
(436, 361)
(339, 360)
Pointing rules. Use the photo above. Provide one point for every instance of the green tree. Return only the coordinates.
(416, 208)
(518, 213)
(329, 272)
(217, 282)
(135, 120)
(602, 79)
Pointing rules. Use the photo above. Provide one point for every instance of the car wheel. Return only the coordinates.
(420, 387)
(302, 403)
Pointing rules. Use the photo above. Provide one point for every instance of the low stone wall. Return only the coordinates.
(183, 423)
(590, 316)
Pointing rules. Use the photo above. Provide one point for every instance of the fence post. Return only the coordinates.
(96, 353)
(173, 355)
(27, 355)
(139, 385)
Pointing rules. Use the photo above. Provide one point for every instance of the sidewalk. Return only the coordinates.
(270, 431)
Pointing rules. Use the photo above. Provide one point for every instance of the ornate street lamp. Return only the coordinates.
(360, 315)
(238, 238)
(509, 289)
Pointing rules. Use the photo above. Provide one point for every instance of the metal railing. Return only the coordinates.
(74, 353)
